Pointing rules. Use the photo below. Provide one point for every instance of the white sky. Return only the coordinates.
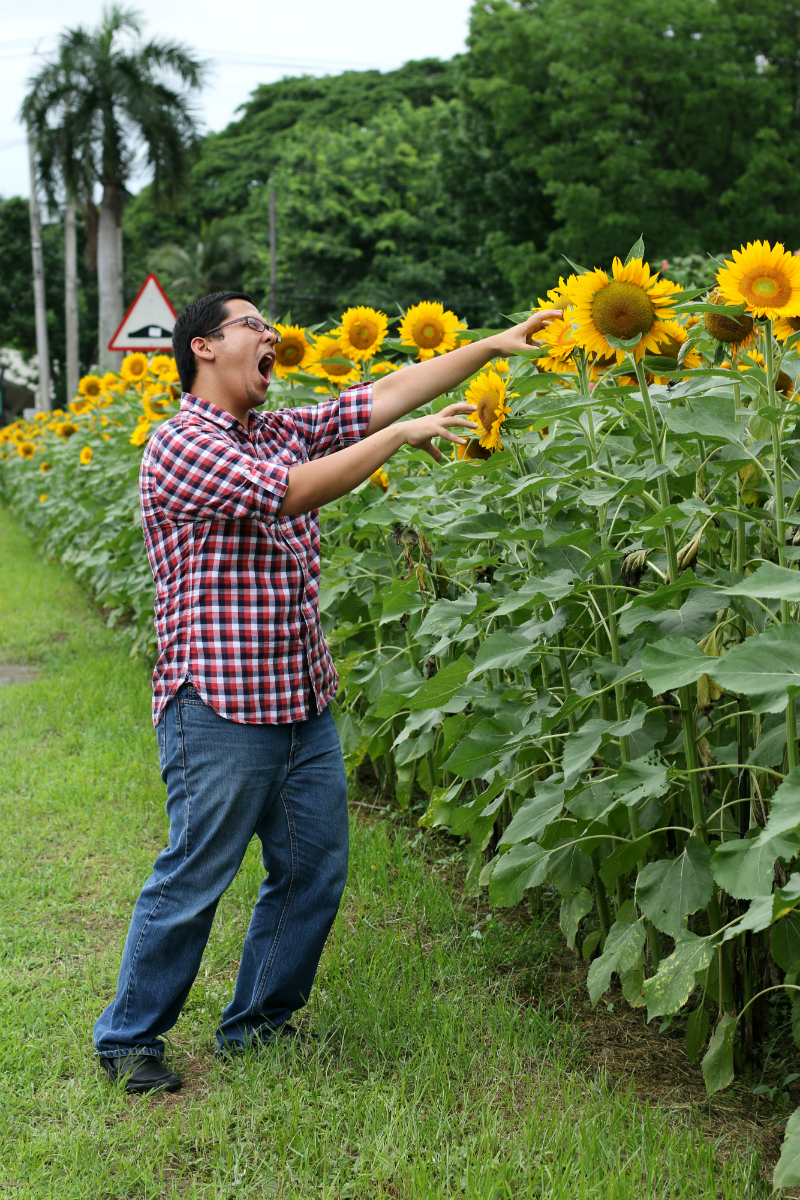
(248, 42)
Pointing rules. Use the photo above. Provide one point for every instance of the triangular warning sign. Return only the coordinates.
(148, 323)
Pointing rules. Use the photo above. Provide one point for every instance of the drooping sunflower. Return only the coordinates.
(472, 452)
(384, 368)
(79, 406)
(557, 297)
(292, 351)
(501, 366)
(431, 328)
(362, 332)
(26, 449)
(141, 433)
(44, 467)
(85, 456)
(380, 479)
(488, 393)
(784, 327)
(632, 301)
(559, 339)
(134, 367)
(766, 278)
(65, 429)
(91, 386)
(328, 347)
(669, 346)
(783, 383)
(737, 332)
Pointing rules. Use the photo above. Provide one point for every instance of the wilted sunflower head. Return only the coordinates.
(488, 393)
(431, 328)
(738, 332)
(634, 565)
(362, 332)
(292, 351)
(631, 302)
(766, 278)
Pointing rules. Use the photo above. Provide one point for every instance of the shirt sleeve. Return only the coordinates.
(335, 423)
(193, 476)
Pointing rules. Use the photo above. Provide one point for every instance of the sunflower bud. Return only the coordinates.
(687, 555)
(730, 330)
(633, 568)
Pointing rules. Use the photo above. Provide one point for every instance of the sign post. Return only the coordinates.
(148, 323)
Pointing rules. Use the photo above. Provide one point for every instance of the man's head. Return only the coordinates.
(234, 363)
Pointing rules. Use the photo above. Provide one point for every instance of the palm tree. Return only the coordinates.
(90, 110)
(216, 261)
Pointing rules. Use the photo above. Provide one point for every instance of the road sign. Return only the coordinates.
(148, 323)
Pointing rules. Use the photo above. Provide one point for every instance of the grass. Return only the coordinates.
(443, 1081)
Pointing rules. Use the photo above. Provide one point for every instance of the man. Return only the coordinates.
(244, 679)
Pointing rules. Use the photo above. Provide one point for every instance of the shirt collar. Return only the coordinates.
(211, 412)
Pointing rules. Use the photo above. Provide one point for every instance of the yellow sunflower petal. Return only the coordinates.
(430, 328)
(362, 332)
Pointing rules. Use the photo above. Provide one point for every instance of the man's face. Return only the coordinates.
(243, 358)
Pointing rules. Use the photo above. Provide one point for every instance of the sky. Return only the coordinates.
(246, 43)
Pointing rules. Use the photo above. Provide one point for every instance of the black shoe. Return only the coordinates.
(141, 1073)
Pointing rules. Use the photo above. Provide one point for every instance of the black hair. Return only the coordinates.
(195, 321)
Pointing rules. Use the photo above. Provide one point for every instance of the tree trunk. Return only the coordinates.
(71, 298)
(40, 307)
(109, 274)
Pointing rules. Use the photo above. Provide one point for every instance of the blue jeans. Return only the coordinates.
(225, 782)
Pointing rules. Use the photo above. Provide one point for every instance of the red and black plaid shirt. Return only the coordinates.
(237, 586)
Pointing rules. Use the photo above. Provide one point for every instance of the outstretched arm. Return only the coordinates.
(402, 392)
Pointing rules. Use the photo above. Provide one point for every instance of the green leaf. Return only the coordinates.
(702, 424)
(623, 859)
(573, 909)
(638, 780)
(579, 748)
(535, 814)
(744, 867)
(445, 616)
(503, 649)
(718, 1058)
(673, 983)
(413, 748)
(696, 1033)
(672, 663)
(521, 867)
(403, 596)
(477, 526)
(570, 868)
(784, 809)
(620, 953)
(763, 668)
(660, 365)
(473, 755)
(787, 1172)
(784, 941)
(636, 250)
(551, 587)
(669, 890)
(769, 582)
(436, 691)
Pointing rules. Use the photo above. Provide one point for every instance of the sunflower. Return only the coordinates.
(161, 362)
(326, 347)
(113, 383)
(362, 332)
(783, 383)
(45, 467)
(738, 333)
(784, 327)
(134, 367)
(26, 449)
(90, 386)
(669, 346)
(141, 433)
(292, 351)
(65, 429)
(79, 406)
(633, 301)
(488, 393)
(429, 327)
(557, 297)
(380, 479)
(85, 456)
(384, 368)
(559, 339)
(44, 496)
(472, 452)
(765, 278)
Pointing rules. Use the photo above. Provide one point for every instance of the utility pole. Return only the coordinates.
(273, 249)
(71, 298)
(40, 308)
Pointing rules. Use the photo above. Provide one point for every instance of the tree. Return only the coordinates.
(217, 261)
(90, 109)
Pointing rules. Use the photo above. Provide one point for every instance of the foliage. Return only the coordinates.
(583, 646)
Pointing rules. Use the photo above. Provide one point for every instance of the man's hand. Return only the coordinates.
(421, 431)
(520, 337)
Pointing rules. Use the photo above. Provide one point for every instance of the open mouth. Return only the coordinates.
(265, 365)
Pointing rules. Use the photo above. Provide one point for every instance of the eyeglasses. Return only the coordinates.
(254, 323)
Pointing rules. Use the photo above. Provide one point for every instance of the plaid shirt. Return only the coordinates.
(237, 586)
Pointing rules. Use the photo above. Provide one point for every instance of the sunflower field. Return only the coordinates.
(578, 637)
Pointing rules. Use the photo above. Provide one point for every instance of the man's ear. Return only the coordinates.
(203, 348)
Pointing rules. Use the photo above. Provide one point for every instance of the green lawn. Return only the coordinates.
(443, 1082)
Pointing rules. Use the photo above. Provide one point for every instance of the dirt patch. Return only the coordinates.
(14, 673)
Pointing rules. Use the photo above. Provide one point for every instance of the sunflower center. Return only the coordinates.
(765, 285)
(428, 332)
(137, 368)
(289, 351)
(728, 329)
(364, 334)
(336, 368)
(93, 389)
(487, 409)
(793, 323)
(623, 309)
(670, 347)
